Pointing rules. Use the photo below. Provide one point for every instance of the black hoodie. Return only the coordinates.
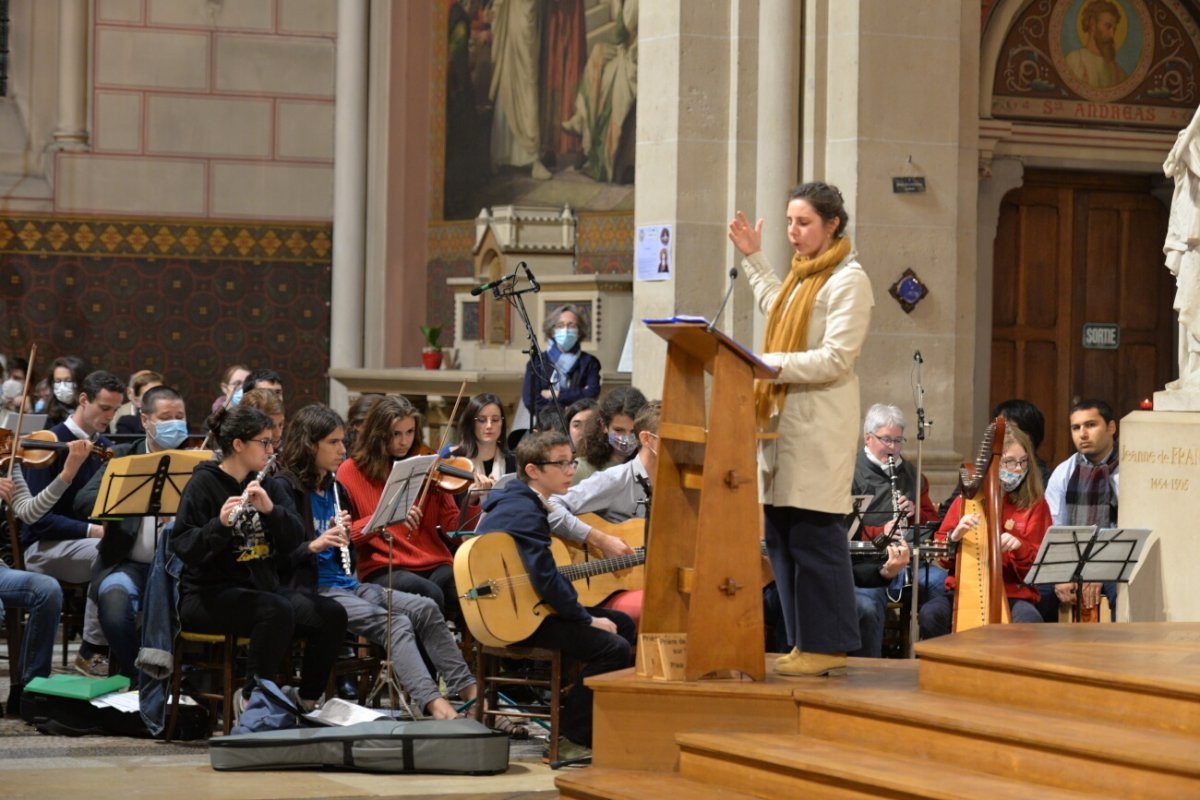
(519, 511)
(214, 556)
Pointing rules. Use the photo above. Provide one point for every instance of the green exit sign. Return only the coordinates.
(1101, 335)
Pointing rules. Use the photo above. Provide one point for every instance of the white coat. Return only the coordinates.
(811, 463)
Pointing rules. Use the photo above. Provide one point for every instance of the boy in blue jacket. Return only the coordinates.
(601, 638)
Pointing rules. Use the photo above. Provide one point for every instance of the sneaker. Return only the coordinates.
(94, 667)
(567, 751)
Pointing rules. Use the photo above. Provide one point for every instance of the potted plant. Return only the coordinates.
(431, 353)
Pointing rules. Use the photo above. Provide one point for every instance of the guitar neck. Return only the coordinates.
(587, 569)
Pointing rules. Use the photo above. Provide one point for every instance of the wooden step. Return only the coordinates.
(1142, 674)
(1051, 749)
(782, 766)
(597, 783)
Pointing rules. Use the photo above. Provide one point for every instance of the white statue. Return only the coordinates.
(1182, 249)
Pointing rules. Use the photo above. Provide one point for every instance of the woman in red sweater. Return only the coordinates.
(421, 559)
(1024, 518)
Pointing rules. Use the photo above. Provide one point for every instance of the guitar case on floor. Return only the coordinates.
(448, 747)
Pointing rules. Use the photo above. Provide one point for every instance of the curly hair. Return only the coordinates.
(593, 446)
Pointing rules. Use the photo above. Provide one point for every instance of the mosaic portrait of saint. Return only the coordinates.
(1102, 46)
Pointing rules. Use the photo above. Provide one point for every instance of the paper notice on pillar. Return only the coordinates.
(655, 253)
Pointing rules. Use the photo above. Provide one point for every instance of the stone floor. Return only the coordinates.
(97, 767)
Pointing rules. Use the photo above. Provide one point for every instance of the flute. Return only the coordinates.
(244, 507)
(344, 549)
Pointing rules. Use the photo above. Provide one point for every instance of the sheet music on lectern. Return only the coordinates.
(1114, 554)
(400, 492)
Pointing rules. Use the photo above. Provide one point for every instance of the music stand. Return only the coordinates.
(147, 485)
(854, 519)
(1085, 553)
(399, 493)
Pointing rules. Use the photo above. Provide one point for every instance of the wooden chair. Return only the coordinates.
(220, 653)
(364, 665)
(492, 703)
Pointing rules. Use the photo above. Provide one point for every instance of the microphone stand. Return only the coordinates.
(914, 628)
(539, 365)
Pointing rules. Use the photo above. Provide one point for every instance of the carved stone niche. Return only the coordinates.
(488, 332)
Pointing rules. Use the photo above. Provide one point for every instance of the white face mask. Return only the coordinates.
(64, 392)
(11, 388)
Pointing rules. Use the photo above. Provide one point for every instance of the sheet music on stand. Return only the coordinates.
(1083, 553)
(399, 492)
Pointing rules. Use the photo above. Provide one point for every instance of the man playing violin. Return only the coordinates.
(127, 548)
(63, 544)
(601, 638)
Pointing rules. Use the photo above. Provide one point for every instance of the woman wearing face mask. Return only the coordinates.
(66, 376)
(574, 373)
(12, 389)
(231, 386)
(1024, 519)
(608, 439)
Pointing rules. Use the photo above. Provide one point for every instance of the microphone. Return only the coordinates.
(537, 287)
(733, 273)
(478, 290)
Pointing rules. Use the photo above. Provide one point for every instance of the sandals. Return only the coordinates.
(515, 730)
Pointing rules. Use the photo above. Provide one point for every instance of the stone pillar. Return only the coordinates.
(697, 155)
(71, 133)
(1160, 490)
(349, 193)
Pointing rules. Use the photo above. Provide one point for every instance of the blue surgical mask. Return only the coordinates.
(170, 433)
(1010, 481)
(565, 338)
(236, 398)
(625, 444)
(40, 406)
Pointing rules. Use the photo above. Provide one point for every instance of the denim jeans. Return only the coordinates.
(42, 597)
(120, 600)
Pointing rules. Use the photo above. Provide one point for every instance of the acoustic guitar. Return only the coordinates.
(497, 598)
(595, 589)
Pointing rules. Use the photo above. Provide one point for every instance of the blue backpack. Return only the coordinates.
(269, 709)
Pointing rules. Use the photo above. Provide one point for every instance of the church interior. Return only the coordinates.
(415, 198)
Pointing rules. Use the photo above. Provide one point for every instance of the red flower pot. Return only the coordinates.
(432, 359)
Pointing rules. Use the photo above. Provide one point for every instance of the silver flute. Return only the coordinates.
(243, 508)
(337, 520)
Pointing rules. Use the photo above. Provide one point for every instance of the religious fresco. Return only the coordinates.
(540, 104)
(1106, 62)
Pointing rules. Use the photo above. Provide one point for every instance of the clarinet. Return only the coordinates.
(901, 528)
(344, 550)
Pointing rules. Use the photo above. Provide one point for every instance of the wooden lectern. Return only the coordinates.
(703, 569)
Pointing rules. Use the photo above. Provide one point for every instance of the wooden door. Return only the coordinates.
(1072, 249)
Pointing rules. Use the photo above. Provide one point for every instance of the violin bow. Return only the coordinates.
(421, 496)
(16, 445)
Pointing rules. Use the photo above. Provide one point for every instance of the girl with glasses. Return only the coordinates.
(574, 374)
(232, 529)
(483, 438)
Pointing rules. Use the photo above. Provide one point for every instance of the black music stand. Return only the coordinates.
(147, 485)
(399, 494)
(1085, 553)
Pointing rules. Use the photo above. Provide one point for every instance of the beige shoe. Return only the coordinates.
(786, 658)
(814, 665)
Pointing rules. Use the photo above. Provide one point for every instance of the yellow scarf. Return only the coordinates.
(787, 324)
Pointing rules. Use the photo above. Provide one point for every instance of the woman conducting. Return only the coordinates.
(817, 319)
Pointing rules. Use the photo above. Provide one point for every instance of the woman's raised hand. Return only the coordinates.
(746, 238)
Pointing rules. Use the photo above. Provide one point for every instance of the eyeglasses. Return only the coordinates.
(1014, 463)
(564, 465)
(264, 442)
(489, 420)
(890, 441)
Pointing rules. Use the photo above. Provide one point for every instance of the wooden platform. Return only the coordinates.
(1004, 711)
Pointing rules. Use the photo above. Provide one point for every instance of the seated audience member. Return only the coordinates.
(1084, 490)
(325, 559)
(357, 415)
(419, 549)
(577, 416)
(128, 546)
(608, 439)
(883, 436)
(617, 494)
(574, 374)
(1024, 519)
(128, 419)
(41, 396)
(231, 386)
(13, 389)
(63, 544)
(66, 376)
(229, 546)
(600, 638)
(263, 378)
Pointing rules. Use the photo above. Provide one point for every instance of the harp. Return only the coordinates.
(979, 598)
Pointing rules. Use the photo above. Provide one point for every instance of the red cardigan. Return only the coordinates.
(1027, 524)
(416, 551)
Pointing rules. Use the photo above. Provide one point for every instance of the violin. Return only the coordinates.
(452, 475)
(40, 448)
